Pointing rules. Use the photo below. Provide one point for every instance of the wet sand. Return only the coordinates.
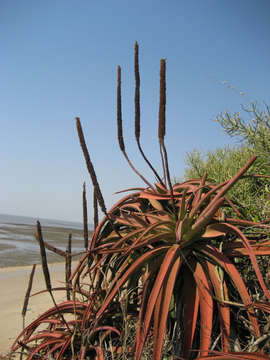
(18, 246)
(13, 284)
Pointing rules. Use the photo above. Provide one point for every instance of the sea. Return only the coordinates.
(19, 247)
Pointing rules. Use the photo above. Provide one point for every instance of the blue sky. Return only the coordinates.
(59, 60)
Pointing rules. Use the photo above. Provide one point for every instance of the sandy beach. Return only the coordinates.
(18, 251)
(13, 284)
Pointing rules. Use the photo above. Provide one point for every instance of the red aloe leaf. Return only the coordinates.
(114, 247)
(242, 222)
(190, 187)
(232, 206)
(130, 189)
(64, 347)
(157, 314)
(54, 348)
(198, 195)
(160, 328)
(213, 230)
(154, 218)
(206, 309)
(182, 227)
(148, 194)
(40, 347)
(135, 266)
(47, 334)
(228, 185)
(148, 240)
(52, 321)
(220, 290)
(231, 270)
(98, 351)
(127, 237)
(87, 313)
(241, 355)
(82, 352)
(237, 231)
(131, 220)
(203, 221)
(182, 210)
(190, 291)
(63, 307)
(207, 196)
(79, 266)
(107, 328)
(262, 305)
(160, 187)
(142, 331)
(126, 221)
(147, 230)
(156, 204)
(96, 235)
(237, 249)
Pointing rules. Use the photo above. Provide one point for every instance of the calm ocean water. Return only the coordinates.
(18, 245)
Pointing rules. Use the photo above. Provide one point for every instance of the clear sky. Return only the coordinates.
(59, 60)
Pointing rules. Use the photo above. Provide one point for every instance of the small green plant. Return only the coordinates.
(162, 262)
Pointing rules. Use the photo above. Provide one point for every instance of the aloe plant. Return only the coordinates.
(168, 252)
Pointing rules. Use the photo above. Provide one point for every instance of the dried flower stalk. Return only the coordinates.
(85, 220)
(90, 167)
(46, 270)
(54, 249)
(137, 92)
(95, 206)
(27, 295)
(120, 129)
(162, 128)
(43, 257)
(68, 266)
(138, 111)
(162, 101)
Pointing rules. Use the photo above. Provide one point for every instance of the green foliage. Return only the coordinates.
(222, 163)
(253, 131)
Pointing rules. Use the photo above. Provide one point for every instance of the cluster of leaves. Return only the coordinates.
(162, 260)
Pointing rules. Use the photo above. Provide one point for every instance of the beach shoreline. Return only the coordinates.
(13, 284)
